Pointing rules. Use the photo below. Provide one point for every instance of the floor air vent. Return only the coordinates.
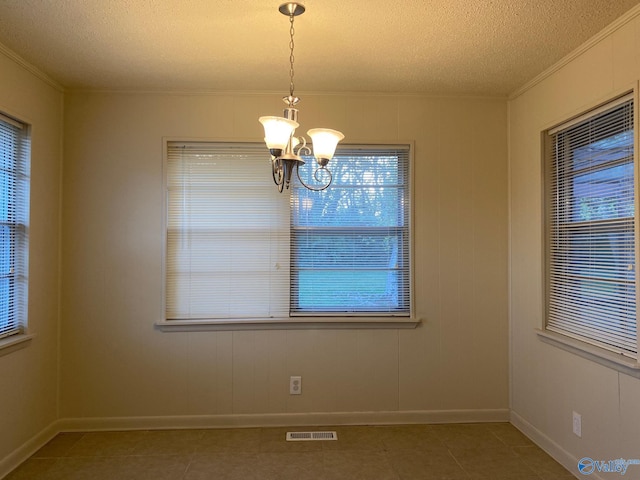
(309, 436)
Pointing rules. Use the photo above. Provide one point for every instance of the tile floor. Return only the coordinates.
(444, 452)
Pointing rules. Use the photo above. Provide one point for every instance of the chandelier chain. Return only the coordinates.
(291, 57)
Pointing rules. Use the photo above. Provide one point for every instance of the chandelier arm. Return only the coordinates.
(302, 147)
(276, 171)
(315, 175)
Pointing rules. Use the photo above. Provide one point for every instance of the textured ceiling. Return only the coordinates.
(478, 47)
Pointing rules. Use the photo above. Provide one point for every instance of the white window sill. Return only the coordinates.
(621, 363)
(289, 323)
(15, 342)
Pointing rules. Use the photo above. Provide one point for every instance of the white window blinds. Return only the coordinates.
(227, 234)
(14, 199)
(591, 277)
(350, 243)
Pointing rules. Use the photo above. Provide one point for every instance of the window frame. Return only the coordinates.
(313, 321)
(592, 350)
(18, 220)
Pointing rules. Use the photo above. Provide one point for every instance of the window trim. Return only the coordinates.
(15, 342)
(288, 323)
(20, 337)
(607, 358)
(328, 321)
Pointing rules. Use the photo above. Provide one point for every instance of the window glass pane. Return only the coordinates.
(347, 250)
(328, 290)
(588, 253)
(605, 193)
(6, 250)
(609, 149)
(348, 206)
(6, 308)
(8, 150)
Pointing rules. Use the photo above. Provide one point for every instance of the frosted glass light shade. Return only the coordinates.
(324, 142)
(277, 131)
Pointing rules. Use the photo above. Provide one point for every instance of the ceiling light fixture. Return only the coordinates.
(284, 147)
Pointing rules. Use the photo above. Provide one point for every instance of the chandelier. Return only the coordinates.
(285, 148)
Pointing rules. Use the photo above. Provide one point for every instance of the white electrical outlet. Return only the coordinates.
(295, 385)
(577, 424)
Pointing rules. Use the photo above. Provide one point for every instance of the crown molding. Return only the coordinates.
(7, 52)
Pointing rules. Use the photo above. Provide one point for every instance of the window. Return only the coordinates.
(236, 248)
(14, 198)
(350, 242)
(590, 248)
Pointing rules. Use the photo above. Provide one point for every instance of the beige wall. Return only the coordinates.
(28, 395)
(116, 365)
(547, 383)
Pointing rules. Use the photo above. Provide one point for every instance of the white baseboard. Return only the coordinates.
(558, 453)
(283, 419)
(31, 446)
